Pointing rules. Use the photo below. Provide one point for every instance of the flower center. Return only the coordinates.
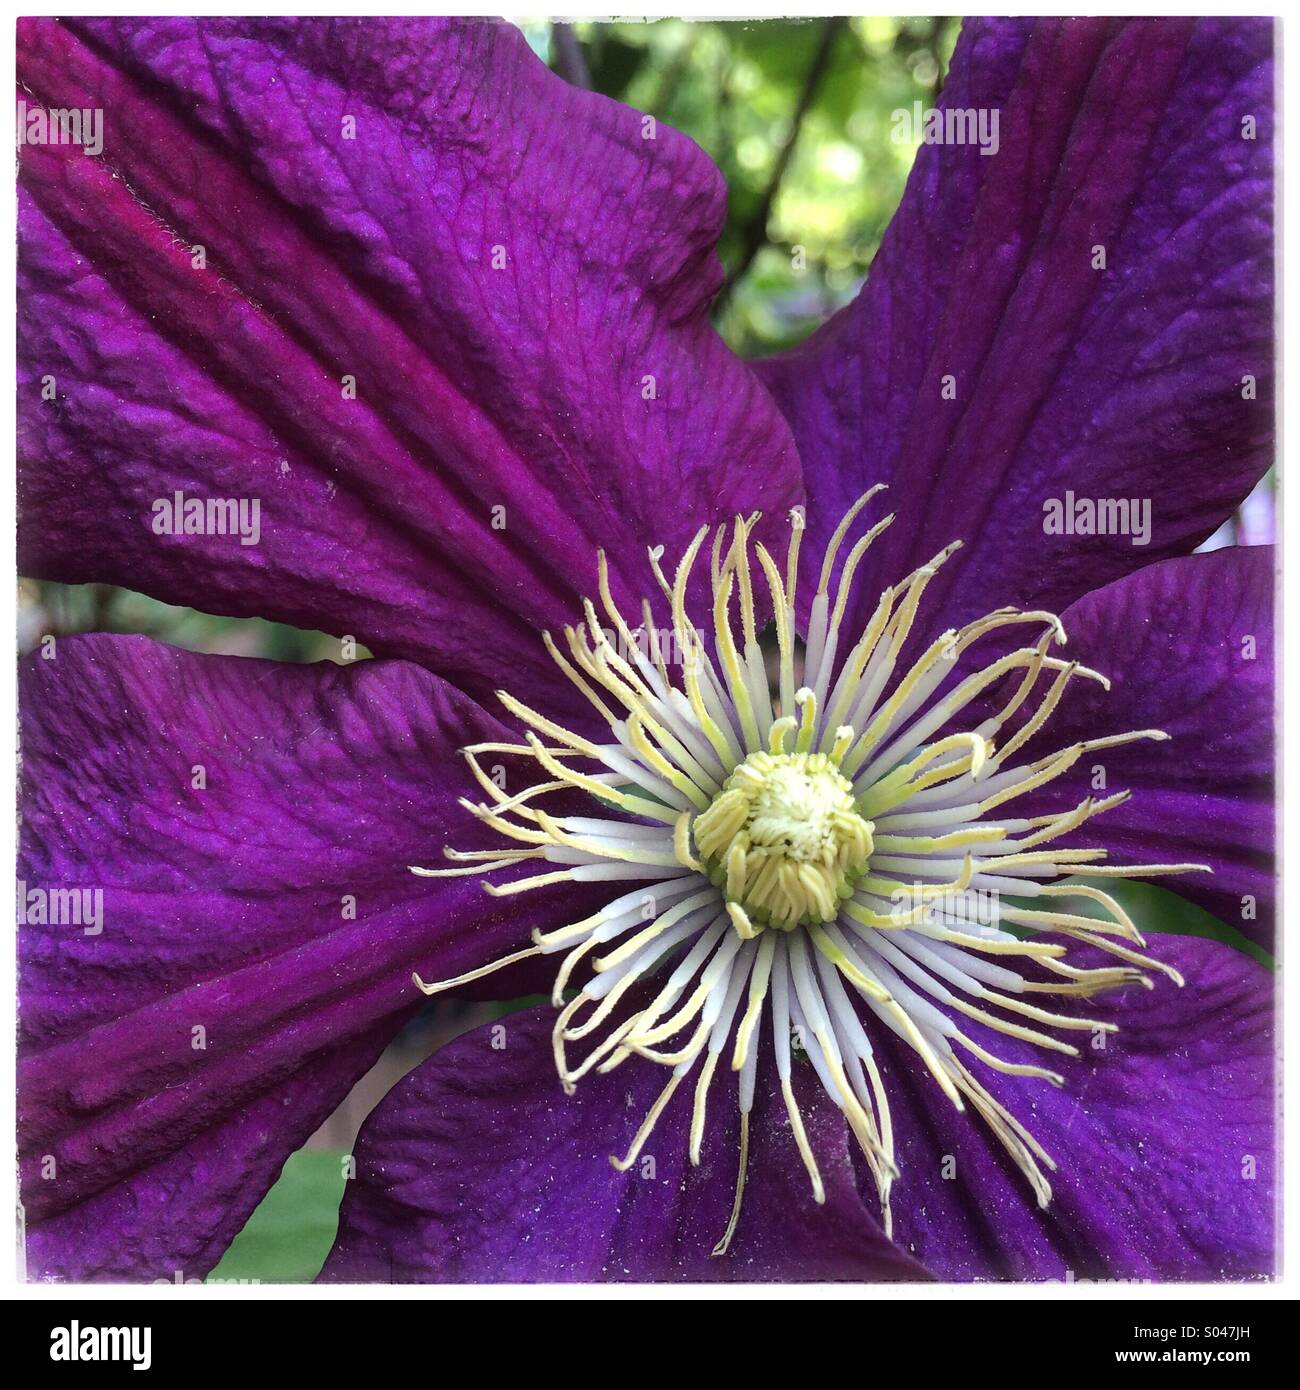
(785, 839)
(859, 808)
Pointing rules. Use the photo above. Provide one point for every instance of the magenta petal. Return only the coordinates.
(1164, 1142)
(1122, 383)
(476, 1168)
(1188, 647)
(257, 934)
(513, 274)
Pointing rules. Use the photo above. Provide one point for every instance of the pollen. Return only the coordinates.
(783, 839)
(836, 859)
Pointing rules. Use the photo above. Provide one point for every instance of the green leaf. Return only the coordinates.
(286, 1239)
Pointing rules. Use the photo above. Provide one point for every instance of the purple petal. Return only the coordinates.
(1164, 1141)
(476, 1168)
(1122, 383)
(257, 935)
(330, 253)
(1188, 646)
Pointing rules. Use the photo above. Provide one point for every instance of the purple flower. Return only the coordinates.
(445, 319)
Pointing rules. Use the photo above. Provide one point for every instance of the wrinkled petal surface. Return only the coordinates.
(477, 1168)
(1164, 1141)
(990, 367)
(444, 316)
(248, 828)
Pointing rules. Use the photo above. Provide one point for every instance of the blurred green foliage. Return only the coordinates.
(61, 610)
(796, 114)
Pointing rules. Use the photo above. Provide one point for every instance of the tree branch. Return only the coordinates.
(570, 60)
(756, 229)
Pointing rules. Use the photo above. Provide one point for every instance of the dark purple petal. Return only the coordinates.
(1188, 646)
(270, 909)
(170, 1216)
(1123, 383)
(1164, 1141)
(476, 1168)
(330, 253)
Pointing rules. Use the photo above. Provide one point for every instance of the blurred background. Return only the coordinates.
(797, 116)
